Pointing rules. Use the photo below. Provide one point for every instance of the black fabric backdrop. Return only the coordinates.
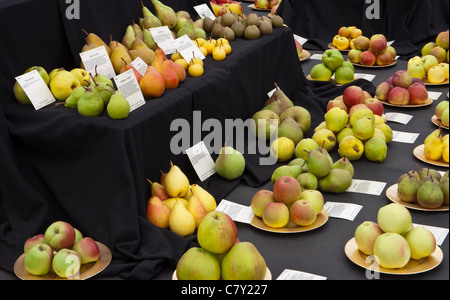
(411, 23)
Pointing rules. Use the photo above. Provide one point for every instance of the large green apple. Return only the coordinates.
(217, 232)
(416, 70)
(198, 264)
(391, 250)
(421, 241)
(321, 72)
(66, 263)
(38, 260)
(344, 75)
(395, 218)
(332, 59)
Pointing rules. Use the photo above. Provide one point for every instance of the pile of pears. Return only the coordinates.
(177, 205)
(426, 187)
(436, 146)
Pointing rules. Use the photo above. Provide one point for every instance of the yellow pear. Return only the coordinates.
(138, 44)
(188, 194)
(171, 202)
(181, 221)
(433, 149)
(176, 182)
(120, 57)
(196, 208)
(205, 197)
(158, 213)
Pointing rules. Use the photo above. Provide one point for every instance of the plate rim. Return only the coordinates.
(429, 101)
(306, 56)
(252, 6)
(425, 81)
(392, 194)
(393, 63)
(418, 153)
(438, 122)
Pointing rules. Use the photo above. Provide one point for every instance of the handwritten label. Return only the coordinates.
(35, 88)
(98, 57)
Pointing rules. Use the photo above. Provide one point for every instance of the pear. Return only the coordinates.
(157, 212)
(152, 83)
(170, 203)
(432, 135)
(118, 106)
(230, 164)
(180, 23)
(197, 209)
(336, 181)
(407, 187)
(252, 32)
(150, 20)
(176, 182)
(433, 149)
(165, 14)
(183, 14)
(277, 21)
(217, 29)
(265, 27)
(243, 262)
(228, 19)
(128, 37)
(148, 39)
(146, 54)
(205, 197)
(137, 31)
(364, 128)
(278, 94)
(95, 41)
(445, 187)
(308, 181)
(103, 88)
(72, 100)
(318, 163)
(90, 104)
(208, 24)
(181, 221)
(171, 79)
(430, 194)
(286, 170)
(289, 128)
(344, 163)
(336, 119)
(238, 28)
(120, 57)
(158, 190)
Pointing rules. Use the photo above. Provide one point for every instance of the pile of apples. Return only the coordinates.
(436, 146)
(221, 7)
(61, 249)
(428, 68)
(393, 240)
(442, 112)
(221, 255)
(333, 64)
(177, 205)
(345, 38)
(266, 4)
(426, 187)
(402, 89)
(373, 51)
(287, 203)
(439, 48)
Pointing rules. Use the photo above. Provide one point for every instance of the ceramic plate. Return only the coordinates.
(305, 55)
(87, 270)
(412, 267)
(419, 153)
(322, 218)
(428, 102)
(437, 122)
(425, 80)
(331, 46)
(376, 66)
(392, 195)
(267, 277)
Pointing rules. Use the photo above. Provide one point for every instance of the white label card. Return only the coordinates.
(316, 56)
(201, 160)
(300, 39)
(204, 11)
(347, 211)
(366, 187)
(35, 88)
(368, 77)
(398, 117)
(128, 86)
(164, 38)
(99, 58)
(139, 65)
(288, 274)
(186, 47)
(434, 95)
(404, 137)
(237, 212)
(389, 43)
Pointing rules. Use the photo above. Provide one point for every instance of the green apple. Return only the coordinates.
(391, 250)
(41, 72)
(259, 201)
(365, 236)
(427, 48)
(230, 164)
(304, 146)
(344, 75)
(332, 59)
(416, 70)
(353, 55)
(347, 63)
(198, 264)
(66, 263)
(38, 260)
(315, 197)
(395, 218)
(217, 232)
(421, 241)
(33, 241)
(321, 72)
(429, 61)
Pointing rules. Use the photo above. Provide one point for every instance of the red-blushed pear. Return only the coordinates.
(158, 190)
(399, 96)
(259, 201)
(88, 250)
(157, 212)
(377, 43)
(391, 250)
(171, 78)
(38, 260)
(299, 48)
(66, 263)
(197, 209)
(152, 83)
(367, 58)
(353, 95)
(375, 105)
(365, 236)
(60, 235)
(128, 66)
(286, 189)
(217, 232)
(181, 72)
(275, 214)
(417, 93)
(394, 217)
(421, 242)
(402, 79)
(336, 103)
(33, 241)
(303, 213)
(382, 90)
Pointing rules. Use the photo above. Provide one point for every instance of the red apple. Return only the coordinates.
(88, 250)
(260, 199)
(336, 103)
(217, 232)
(384, 58)
(383, 90)
(60, 235)
(33, 241)
(299, 48)
(303, 213)
(417, 80)
(375, 105)
(389, 80)
(353, 95)
(417, 93)
(378, 43)
(275, 214)
(402, 79)
(367, 58)
(398, 95)
(286, 189)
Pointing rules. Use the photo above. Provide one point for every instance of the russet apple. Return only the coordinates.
(275, 214)
(88, 250)
(382, 90)
(421, 242)
(377, 43)
(303, 213)
(286, 189)
(33, 241)
(259, 200)
(344, 31)
(217, 232)
(375, 106)
(402, 79)
(391, 250)
(361, 43)
(60, 235)
(394, 217)
(66, 263)
(399, 96)
(365, 236)
(417, 93)
(367, 58)
(353, 95)
(38, 259)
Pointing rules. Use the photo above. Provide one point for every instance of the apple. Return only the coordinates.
(357, 112)
(367, 58)
(303, 213)
(38, 259)
(383, 58)
(336, 103)
(275, 214)
(394, 218)
(441, 107)
(63, 84)
(439, 53)
(416, 70)
(33, 241)
(332, 59)
(259, 201)
(217, 232)
(300, 114)
(402, 79)
(78, 235)
(286, 189)
(417, 80)
(421, 242)
(353, 95)
(88, 250)
(399, 96)
(429, 61)
(375, 105)
(343, 75)
(198, 264)
(353, 56)
(417, 93)
(60, 235)
(66, 263)
(365, 236)
(45, 76)
(392, 51)
(344, 31)
(299, 48)
(321, 72)
(361, 43)
(382, 90)
(436, 74)
(377, 43)
(391, 250)
(442, 39)
(315, 197)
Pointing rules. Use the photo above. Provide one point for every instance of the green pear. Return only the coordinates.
(344, 163)
(128, 37)
(286, 170)
(279, 95)
(364, 128)
(304, 146)
(118, 106)
(230, 164)
(318, 163)
(176, 182)
(430, 194)
(90, 104)
(243, 262)
(181, 221)
(149, 20)
(407, 187)
(289, 128)
(375, 149)
(337, 181)
(187, 29)
(265, 123)
(165, 14)
(72, 100)
(308, 181)
(148, 39)
(445, 188)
